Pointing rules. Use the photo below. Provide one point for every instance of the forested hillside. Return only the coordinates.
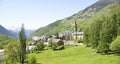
(81, 17)
(104, 29)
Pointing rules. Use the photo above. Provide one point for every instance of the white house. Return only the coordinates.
(1, 53)
(78, 35)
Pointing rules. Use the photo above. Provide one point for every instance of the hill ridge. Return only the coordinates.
(4, 31)
(67, 24)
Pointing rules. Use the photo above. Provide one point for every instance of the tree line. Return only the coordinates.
(103, 33)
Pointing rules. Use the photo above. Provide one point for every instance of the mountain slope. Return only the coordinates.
(4, 31)
(16, 32)
(67, 24)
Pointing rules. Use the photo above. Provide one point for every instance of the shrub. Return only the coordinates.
(11, 52)
(61, 47)
(115, 45)
(54, 46)
(1, 45)
(32, 60)
(40, 46)
(35, 49)
(50, 44)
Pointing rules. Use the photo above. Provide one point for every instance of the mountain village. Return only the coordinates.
(90, 36)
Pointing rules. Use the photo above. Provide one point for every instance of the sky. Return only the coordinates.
(38, 13)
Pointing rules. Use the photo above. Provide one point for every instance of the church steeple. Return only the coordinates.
(76, 29)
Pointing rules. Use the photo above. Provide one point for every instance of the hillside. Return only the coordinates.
(4, 31)
(104, 28)
(67, 24)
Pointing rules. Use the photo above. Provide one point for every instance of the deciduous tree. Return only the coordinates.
(22, 39)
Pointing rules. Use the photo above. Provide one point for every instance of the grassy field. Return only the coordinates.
(75, 55)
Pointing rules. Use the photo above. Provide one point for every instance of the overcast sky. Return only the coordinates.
(37, 13)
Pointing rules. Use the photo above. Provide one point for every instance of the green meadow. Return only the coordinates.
(75, 55)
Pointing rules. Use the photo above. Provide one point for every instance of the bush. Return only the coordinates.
(35, 49)
(32, 60)
(11, 52)
(50, 44)
(1, 45)
(115, 45)
(103, 48)
(61, 47)
(54, 46)
(40, 46)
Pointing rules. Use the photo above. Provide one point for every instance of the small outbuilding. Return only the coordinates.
(60, 42)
